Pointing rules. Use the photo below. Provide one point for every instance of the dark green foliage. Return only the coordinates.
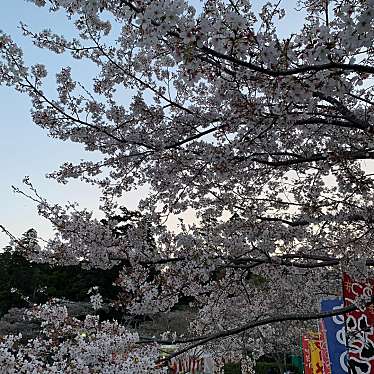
(232, 368)
(36, 283)
(264, 367)
(261, 368)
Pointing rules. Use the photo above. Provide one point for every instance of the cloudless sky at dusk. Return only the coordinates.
(25, 149)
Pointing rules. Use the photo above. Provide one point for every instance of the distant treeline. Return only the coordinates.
(23, 283)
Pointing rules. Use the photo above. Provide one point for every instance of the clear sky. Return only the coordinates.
(25, 149)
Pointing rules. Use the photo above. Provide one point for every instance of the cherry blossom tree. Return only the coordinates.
(69, 345)
(268, 140)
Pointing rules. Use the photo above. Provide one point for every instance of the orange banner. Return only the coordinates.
(312, 353)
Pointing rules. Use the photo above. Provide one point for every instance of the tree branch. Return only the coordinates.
(282, 73)
(201, 340)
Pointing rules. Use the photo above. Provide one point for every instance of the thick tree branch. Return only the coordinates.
(345, 112)
(301, 317)
(360, 155)
(282, 73)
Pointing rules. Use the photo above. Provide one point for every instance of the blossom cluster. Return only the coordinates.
(69, 345)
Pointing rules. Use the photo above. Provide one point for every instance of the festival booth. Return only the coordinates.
(189, 364)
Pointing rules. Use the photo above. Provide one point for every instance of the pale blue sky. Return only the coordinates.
(25, 149)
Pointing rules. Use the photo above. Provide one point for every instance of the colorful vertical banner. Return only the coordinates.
(312, 353)
(306, 354)
(324, 349)
(334, 329)
(316, 355)
(359, 327)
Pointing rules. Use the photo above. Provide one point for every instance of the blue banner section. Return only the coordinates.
(335, 333)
